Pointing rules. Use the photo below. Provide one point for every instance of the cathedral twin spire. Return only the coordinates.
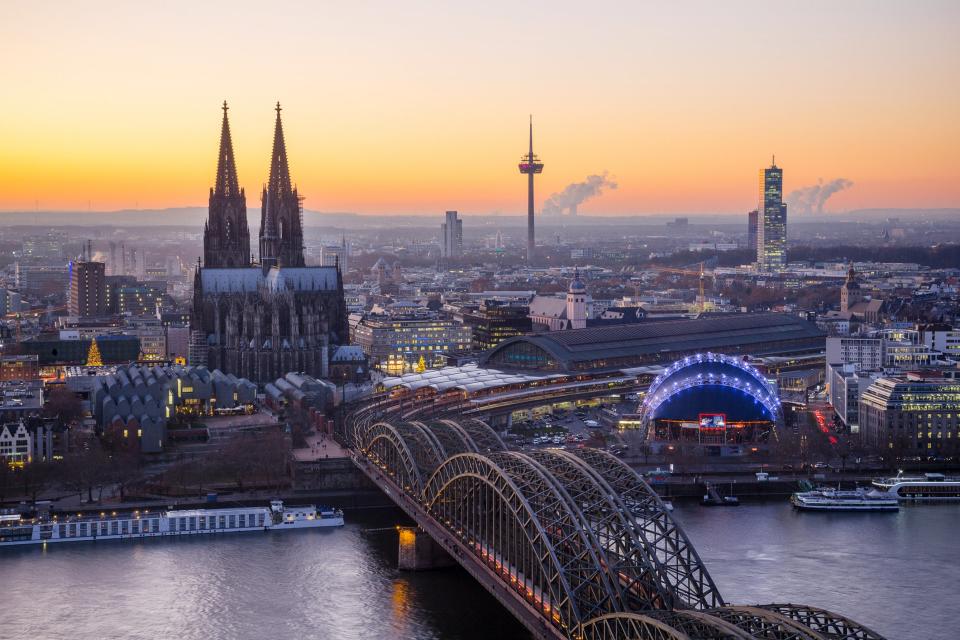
(226, 235)
(227, 183)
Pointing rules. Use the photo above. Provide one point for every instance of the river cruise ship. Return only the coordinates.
(840, 500)
(16, 530)
(930, 487)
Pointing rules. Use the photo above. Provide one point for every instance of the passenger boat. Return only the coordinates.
(826, 499)
(930, 487)
(16, 530)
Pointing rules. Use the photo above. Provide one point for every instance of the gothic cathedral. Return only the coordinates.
(262, 319)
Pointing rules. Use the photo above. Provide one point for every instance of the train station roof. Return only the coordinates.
(635, 345)
(468, 377)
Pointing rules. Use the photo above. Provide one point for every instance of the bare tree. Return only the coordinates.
(85, 469)
(7, 479)
(124, 470)
(36, 477)
(63, 404)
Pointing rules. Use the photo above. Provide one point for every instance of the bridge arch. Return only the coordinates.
(629, 626)
(578, 535)
(384, 445)
(451, 437)
(825, 622)
(678, 561)
(763, 623)
(427, 452)
(639, 575)
(514, 520)
(484, 437)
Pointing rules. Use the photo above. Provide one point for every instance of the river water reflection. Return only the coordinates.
(895, 572)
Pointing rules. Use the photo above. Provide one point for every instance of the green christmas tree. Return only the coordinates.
(93, 356)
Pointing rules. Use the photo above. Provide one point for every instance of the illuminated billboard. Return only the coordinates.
(713, 421)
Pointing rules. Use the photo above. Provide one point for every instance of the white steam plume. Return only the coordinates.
(810, 200)
(575, 194)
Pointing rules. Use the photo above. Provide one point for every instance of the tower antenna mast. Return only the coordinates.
(530, 165)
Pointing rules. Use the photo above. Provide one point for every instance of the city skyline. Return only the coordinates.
(380, 123)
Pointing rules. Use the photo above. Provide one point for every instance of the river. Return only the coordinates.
(897, 573)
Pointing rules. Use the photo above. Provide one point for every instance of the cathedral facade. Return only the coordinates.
(262, 319)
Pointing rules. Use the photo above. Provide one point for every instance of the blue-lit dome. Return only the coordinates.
(712, 384)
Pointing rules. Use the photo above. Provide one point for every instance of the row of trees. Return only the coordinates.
(246, 461)
(261, 460)
(86, 472)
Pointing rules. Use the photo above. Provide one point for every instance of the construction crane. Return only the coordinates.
(701, 275)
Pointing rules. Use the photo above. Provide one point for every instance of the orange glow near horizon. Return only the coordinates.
(419, 108)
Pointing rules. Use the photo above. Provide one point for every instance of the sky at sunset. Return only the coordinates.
(415, 107)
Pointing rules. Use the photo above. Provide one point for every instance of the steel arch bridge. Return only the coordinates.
(576, 543)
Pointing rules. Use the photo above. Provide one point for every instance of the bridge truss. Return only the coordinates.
(578, 536)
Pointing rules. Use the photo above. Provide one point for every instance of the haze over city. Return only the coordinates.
(418, 107)
(472, 321)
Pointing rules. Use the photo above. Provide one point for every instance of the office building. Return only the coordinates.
(15, 367)
(88, 293)
(913, 414)
(451, 236)
(395, 345)
(771, 222)
(847, 384)
(139, 300)
(942, 338)
(41, 281)
(752, 221)
(868, 353)
(9, 301)
(336, 255)
(493, 321)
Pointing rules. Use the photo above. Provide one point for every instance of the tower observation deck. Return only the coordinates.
(530, 165)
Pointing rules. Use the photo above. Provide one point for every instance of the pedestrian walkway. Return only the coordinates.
(320, 446)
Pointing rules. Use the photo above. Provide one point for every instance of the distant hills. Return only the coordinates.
(194, 216)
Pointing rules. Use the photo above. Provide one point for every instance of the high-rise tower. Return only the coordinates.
(530, 165)
(451, 231)
(772, 223)
(226, 237)
(753, 218)
(281, 223)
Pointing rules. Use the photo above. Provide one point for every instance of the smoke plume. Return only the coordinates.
(810, 200)
(575, 194)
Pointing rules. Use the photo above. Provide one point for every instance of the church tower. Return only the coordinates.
(577, 303)
(850, 293)
(281, 225)
(226, 237)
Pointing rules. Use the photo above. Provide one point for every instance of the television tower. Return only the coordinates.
(530, 165)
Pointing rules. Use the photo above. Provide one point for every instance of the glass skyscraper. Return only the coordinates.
(772, 225)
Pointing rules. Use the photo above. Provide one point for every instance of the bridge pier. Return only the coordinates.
(419, 552)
